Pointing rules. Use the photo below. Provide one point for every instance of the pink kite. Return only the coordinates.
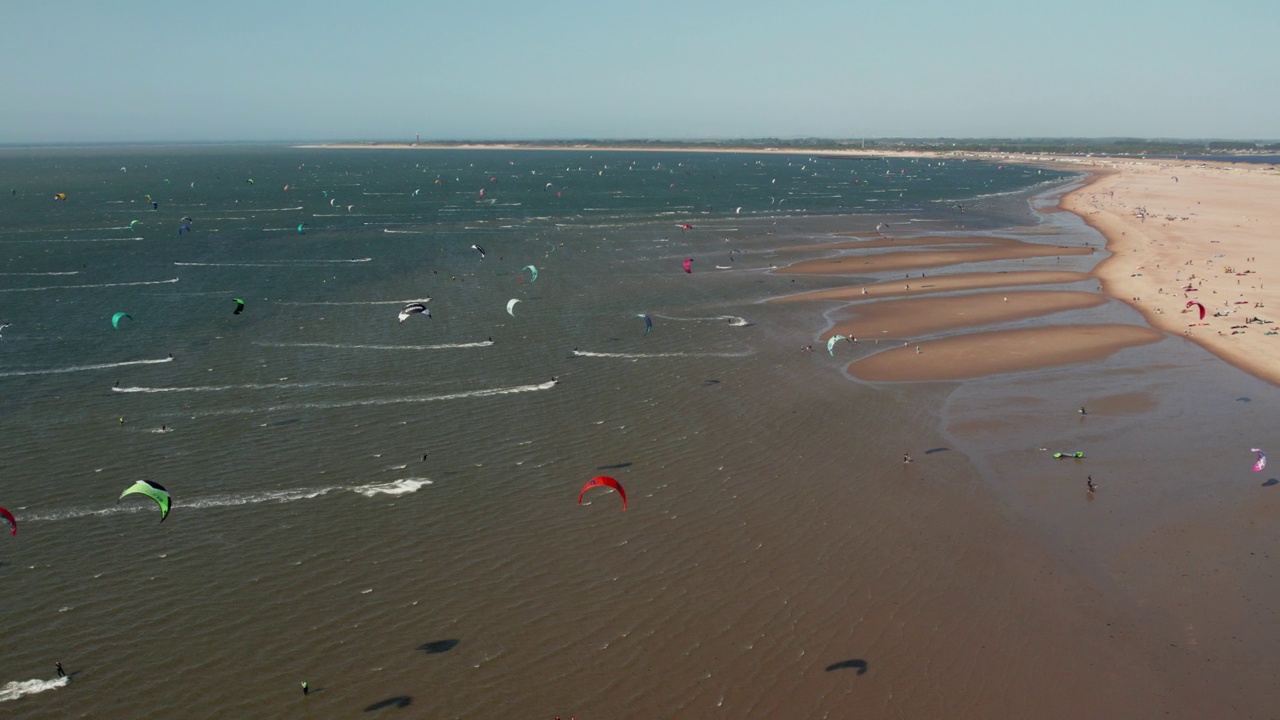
(603, 481)
(688, 265)
(9, 516)
(1193, 302)
(1262, 460)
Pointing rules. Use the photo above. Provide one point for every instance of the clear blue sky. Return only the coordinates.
(120, 70)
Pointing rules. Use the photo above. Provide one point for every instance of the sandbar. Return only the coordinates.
(939, 283)
(919, 316)
(1000, 351)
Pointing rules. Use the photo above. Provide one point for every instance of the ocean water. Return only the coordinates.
(388, 510)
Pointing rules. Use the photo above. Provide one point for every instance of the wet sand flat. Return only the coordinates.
(989, 353)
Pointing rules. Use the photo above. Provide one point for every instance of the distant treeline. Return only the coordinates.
(1057, 146)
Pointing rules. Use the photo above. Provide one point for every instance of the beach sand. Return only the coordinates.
(1190, 231)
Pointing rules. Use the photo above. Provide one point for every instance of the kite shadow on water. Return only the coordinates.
(859, 665)
(615, 466)
(931, 451)
(435, 647)
(1271, 482)
(399, 701)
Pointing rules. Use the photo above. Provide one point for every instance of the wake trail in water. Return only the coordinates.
(82, 368)
(75, 240)
(345, 346)
(32, 274)
(82, 287)
(634, 356)
(374, 402)
(397, 487)
(275, 263)
(734, 320)
(353, 302)
(21, 688)
(251, 386)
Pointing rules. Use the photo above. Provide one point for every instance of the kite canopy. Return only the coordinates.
(239, 306)
(1064, 455)
(115, 319)
(648, 324)
(1193, 302)
(414, 308)
(478, 249)
(604, 481)
(533, 272)
(60, 196)
(688, 265)
(831, 343)
(155, 491)
(302, 227)
(1262, 460)
(12, 522)
(511, 306)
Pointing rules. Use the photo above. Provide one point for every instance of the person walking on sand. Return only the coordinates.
(61, 673)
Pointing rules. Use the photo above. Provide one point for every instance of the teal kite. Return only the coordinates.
(115, 319)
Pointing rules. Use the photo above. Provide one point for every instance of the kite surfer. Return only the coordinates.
(906, 458)
(1089, 484)
(305, 687)
(61, 672)
(1082, 412)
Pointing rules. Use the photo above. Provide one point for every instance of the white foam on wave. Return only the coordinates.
(276, 263)
(369, 402)
(30, 274)
(254, 210)
(21, 688)
(351, 346)
(406, 232)
(82, 368)
(403, 486)
(398, 487)
(635, 356)
(100, 285)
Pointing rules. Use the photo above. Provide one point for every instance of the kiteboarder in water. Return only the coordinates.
(61, 672)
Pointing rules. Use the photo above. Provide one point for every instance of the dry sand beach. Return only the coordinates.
(1194, 232)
